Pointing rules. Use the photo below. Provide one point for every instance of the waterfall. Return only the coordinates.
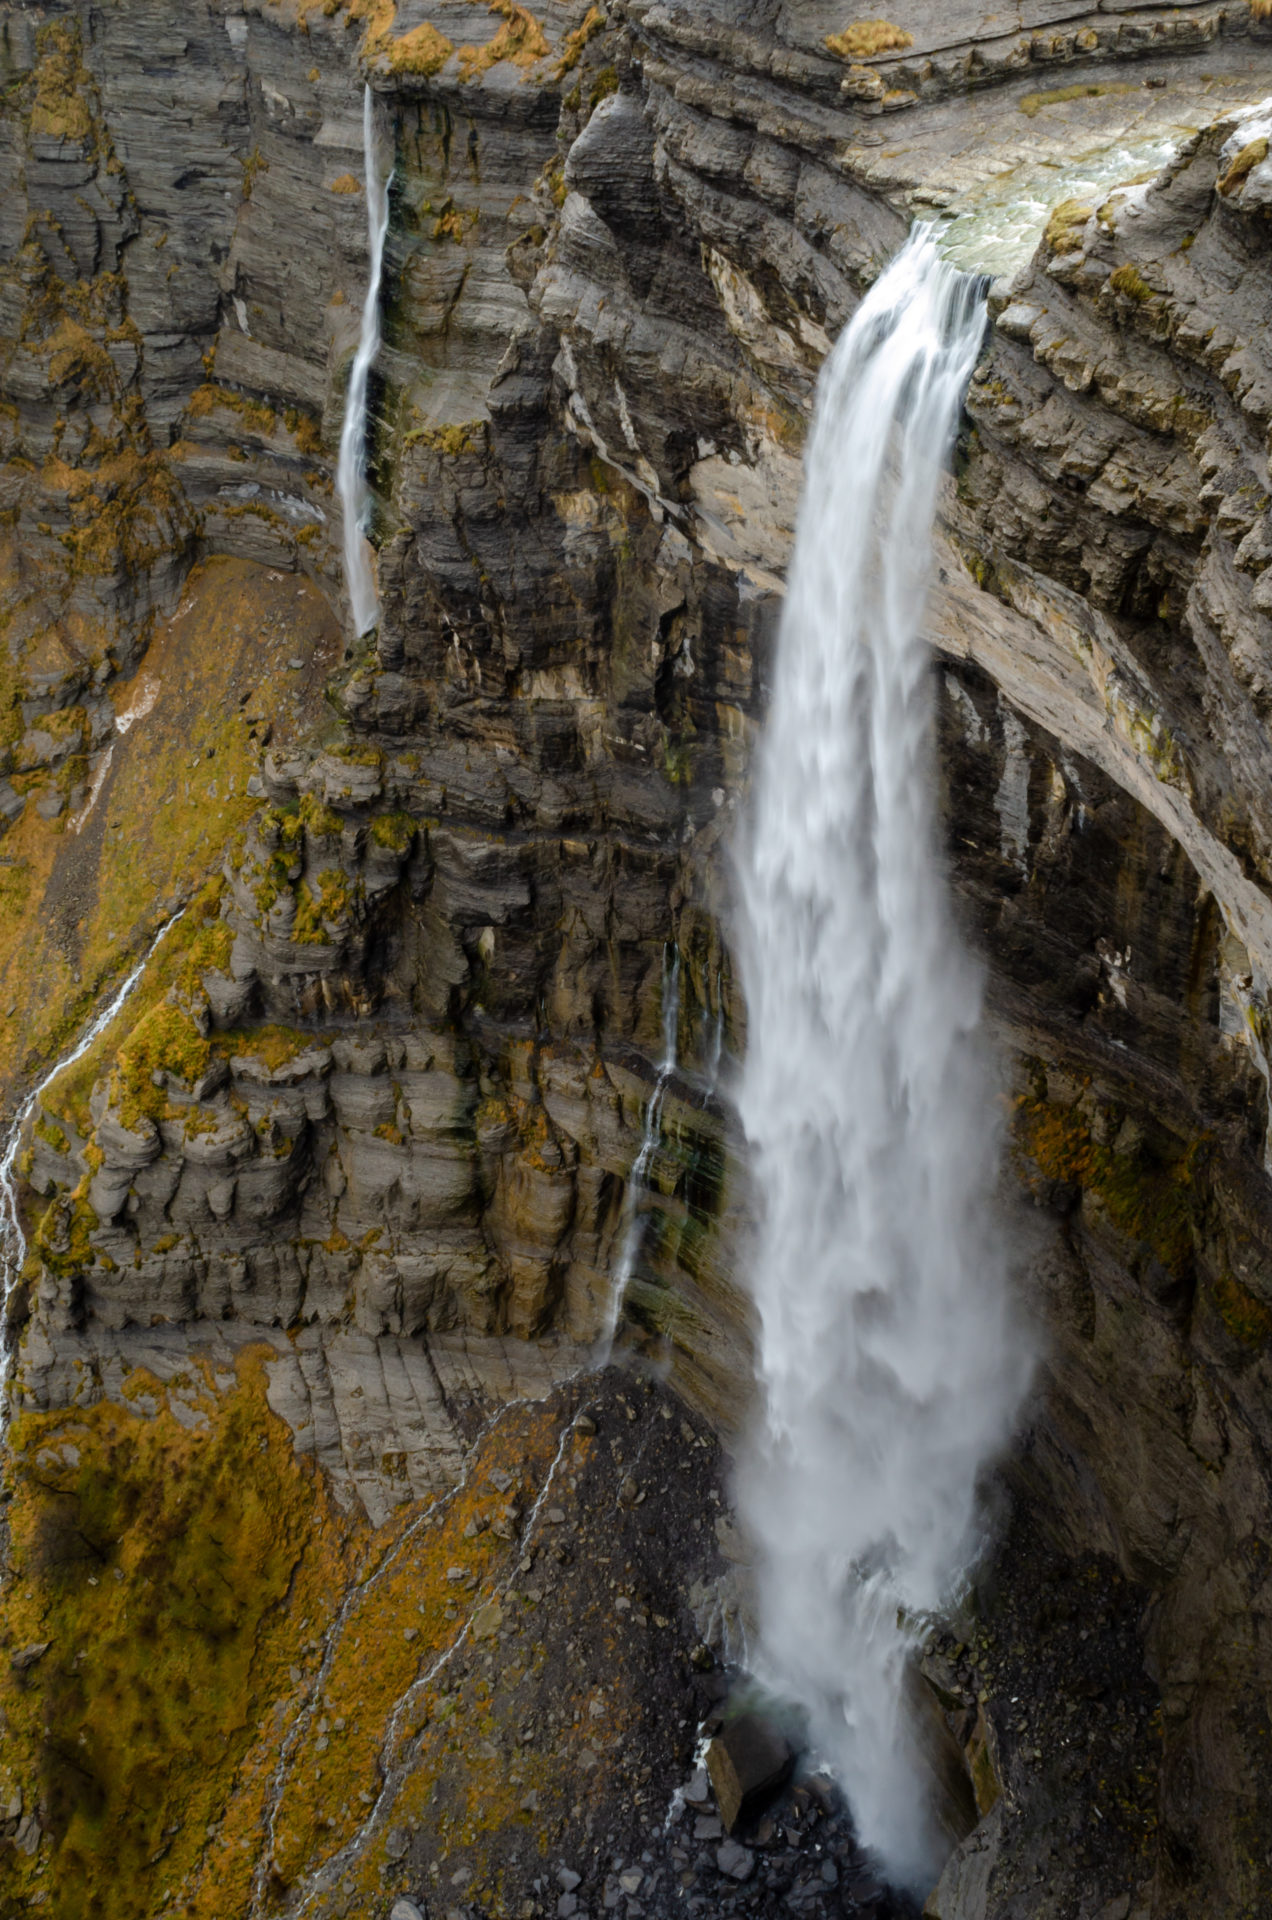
(889, 1367)
(351, 479)
(13, 1246)
(633, 1221)
(712, 1043)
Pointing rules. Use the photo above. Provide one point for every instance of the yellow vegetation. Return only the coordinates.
(198, 942)
(175, 796)
(1248, 1319)
(452, 222)
(1144, 1196)
(186, 1571)
(346, 184)
(317, 1816)
(1246, 161)
(452, 440)
(423, 50)
(273, 1046)
(62, 82)
(1128, 280)
(166, 1042)
(255, 415)
(329, 908)
(174, 1572)
(1066, 226)
(253, 166)
(393, 831)
(574, 43)
(867, 37)
(520, 39)
(126, 513)
(1033, 103)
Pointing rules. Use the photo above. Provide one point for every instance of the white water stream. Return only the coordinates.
(888, 1361)
(632, 1226)
(351, 476)
(13, 1246)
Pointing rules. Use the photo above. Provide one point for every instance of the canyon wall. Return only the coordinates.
(352, 1167)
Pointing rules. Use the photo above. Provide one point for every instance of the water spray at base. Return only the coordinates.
(889, 1366)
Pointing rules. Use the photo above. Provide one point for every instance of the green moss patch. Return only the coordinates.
(1145, 1194)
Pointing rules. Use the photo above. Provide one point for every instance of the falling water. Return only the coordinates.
(351, 479)
(712, 1043)
(13, 1246)
(889, 1368)
(633, 1222)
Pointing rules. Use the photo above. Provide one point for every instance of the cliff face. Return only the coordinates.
(355, 1159)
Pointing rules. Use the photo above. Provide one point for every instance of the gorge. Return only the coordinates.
(340, 1577)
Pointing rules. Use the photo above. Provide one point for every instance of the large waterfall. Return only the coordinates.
(888, 1364)
(351, 476)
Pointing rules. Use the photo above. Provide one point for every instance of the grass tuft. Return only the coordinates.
(864, 38)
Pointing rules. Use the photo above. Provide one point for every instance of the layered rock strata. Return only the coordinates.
(383, 1086)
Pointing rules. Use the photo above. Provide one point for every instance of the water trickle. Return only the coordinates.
(712, 1042)
(351, 478)
(13, 1246)
(634, 1213)
(889, 1365)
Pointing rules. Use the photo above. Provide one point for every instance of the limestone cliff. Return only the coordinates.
(322, 1226)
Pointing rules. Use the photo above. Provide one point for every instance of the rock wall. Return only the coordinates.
(383, 1085)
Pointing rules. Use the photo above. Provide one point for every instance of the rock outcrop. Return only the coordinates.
(375, 1105)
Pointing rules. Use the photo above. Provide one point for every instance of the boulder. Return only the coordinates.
(749, 1762)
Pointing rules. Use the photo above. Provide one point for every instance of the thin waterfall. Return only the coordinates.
(889, 1364)
(633, 1221)
(351, 476)
(712, 1042)
(13, 1246)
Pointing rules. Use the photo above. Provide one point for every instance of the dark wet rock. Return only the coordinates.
(736, 1861)
(749, 1762)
